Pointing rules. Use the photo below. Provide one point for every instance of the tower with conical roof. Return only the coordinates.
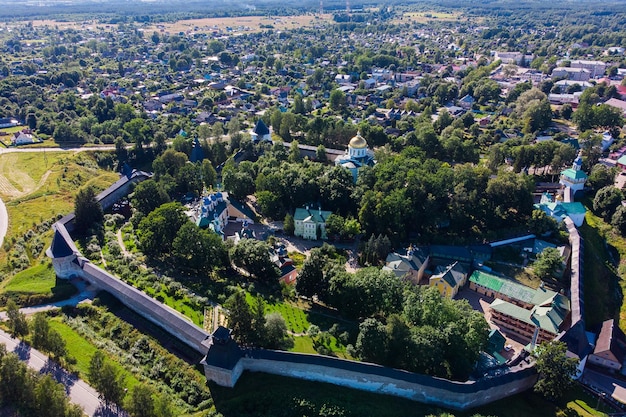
(574, 177)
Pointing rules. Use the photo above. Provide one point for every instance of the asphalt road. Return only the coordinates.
(4, 221)
(79, 392)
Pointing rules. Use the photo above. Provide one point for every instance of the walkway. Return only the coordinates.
(4, 221)
(79, 392)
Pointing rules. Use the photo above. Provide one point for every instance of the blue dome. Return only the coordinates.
(213, 197)
(578, 161)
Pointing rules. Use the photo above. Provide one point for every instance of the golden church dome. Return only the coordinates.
(358, 142)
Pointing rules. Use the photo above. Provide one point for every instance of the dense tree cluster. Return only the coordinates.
(167, 233)
(401, 326)
(432, 335)
(31, 393)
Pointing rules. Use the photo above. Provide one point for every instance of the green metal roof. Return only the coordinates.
(574, 208)
(512, 289)
(574, 174)
(547, 318)
(317, 216)
(486, 280)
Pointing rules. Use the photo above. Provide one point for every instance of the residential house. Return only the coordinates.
(513, 58)
(310, 224)
(8, 122)
(610, 349)
(288, 272)
(619, 104)
(410, 266)
(343, 79)
(466, 102)
(531, 314)
(23, 137)
(607, 141)
(448, 280)
(570, 86)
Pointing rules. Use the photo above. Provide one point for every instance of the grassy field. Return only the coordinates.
(36, 285)
(179, 305)
(425, 17)
(40, 186)
(80, 349)
(293, 397)
(38, 279)
(207, 25)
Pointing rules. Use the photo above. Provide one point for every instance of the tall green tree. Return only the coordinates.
(556, 370)
(140, 402)
(158, 229)
(240, 317)
(253, 256)
(18, 326)
(547, 263)
(148, 195)
(87, 210)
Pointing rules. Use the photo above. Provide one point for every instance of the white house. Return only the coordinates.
(23, 137)
(308, 221)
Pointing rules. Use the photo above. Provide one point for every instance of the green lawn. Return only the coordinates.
(82, 350)
(36, 285)
(295, 317)
(38, 279)
(179, 305)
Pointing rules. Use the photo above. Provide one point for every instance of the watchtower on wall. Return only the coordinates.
(222, 363)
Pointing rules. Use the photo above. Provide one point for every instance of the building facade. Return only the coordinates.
(310, 224)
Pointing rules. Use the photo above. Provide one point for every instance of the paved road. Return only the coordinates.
(79, 392)
(4, 221)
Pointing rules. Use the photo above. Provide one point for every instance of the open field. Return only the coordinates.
(425, 17)
(207, 25)
(239, 24)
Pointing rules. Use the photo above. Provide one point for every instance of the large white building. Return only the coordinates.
(595, 68)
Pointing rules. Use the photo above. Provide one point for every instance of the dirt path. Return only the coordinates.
(120, 241)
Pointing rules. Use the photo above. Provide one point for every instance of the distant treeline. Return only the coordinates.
(117, 11)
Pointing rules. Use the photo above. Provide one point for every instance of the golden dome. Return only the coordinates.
(358, 142)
